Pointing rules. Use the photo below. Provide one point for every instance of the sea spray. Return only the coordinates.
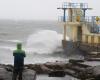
(41, 42)
(45, 42)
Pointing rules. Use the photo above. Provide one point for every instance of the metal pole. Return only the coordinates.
(84, 11)
(64, 17)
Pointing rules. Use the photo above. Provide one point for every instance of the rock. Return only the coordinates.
(58, 73)
(76, 60)
(96, 70)
(71, 73)
(5, 75)
(27, 74)
(90, 72)
(56, 65)
(93, 59)
(45, 68)
(35, 67)
(9, 68)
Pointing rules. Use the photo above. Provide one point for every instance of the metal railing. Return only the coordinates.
(82, 18)
(91, 21)
(74, 19)
(93, 24)
(74, 5)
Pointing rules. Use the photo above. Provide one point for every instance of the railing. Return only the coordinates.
(74, 5)
(92, 22)
(93, 19)
(74, 19)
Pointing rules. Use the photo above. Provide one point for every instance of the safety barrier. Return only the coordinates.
(74, 5)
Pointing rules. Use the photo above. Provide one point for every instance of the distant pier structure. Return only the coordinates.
(78, 26)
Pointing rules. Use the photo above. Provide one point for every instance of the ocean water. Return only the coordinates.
(41, 40)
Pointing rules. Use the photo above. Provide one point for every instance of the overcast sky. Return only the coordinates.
(38, 9)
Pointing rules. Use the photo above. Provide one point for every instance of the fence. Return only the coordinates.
(92, 22)
(74, 5)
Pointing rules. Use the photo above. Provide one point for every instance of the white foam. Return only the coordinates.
(44, 41)
(13, 41)
(41, 42)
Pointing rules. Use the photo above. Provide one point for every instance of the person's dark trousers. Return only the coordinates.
(17, 73)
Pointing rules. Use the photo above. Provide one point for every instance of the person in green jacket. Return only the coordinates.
(19, 55)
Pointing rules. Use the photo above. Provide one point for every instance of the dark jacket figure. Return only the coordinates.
(19, 55)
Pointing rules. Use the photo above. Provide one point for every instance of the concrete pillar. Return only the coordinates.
(70, 12)
(64, 41)
(99, 40)
(86, 38)
(92, 40)
(74, 33)
(65, 32)
(96, 39)
(89, 39)
(83, 38)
